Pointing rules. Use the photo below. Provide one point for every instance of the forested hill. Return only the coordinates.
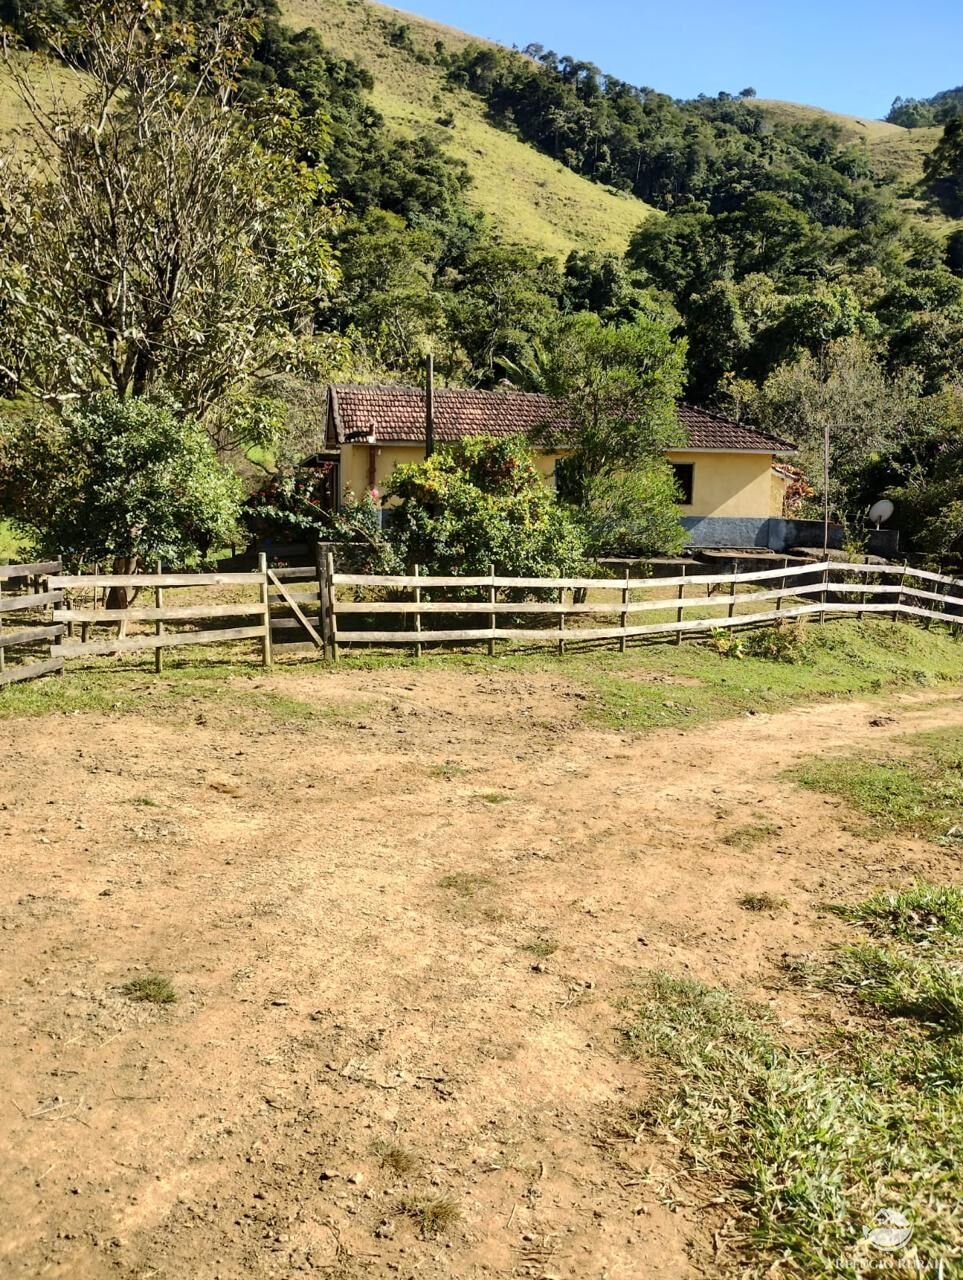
(530, 196)
(490, 206)
(918, 113)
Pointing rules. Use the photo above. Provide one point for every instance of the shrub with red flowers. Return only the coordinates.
(299, 506)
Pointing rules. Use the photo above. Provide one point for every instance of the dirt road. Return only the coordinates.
(359, 920)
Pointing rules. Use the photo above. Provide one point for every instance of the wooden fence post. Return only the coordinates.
(680, 611)
(56, 609)
(323, 619)
(561, 620)
(732, 594)
(624, 620)
(158, 625)
(899, 595)
(824, 593)
(332, 605)
(85, 626)
(1, 628)
(416, 596)
(492, 617)
(267, 655)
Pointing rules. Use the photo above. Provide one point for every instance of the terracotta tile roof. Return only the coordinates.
(705, 430)
(396, 415)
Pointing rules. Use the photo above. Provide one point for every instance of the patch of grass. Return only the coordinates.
(843, 660)
(930, 991)
(541, 947)
(752, 833)
(145, 801)
(150, 989)
(433, 1214)
(805, 1145)
(224, 688)
(395, 1157)
(920, 793)
(465, 883)
(763, 902)
(448, 771)
(493, 797)
(928, 913)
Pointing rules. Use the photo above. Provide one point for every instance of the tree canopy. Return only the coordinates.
(151, 239)
(131, 480)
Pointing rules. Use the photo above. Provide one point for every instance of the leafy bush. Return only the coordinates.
(481, 502)
(295, 506)
(118, 479)
(783, 642)
(634, 513)
(726, 643)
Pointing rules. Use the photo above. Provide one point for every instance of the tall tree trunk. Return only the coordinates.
(122, 597)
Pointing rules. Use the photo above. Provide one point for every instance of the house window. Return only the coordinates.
(683, 479)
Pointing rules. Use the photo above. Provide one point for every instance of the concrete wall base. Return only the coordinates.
(776, 534)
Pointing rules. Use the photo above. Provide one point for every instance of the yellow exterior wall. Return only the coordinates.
(729, 484)
(355, 464)
(780, 484)
(723, 484)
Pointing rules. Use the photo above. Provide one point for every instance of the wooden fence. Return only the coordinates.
(71, 614)
(26, 599)
(413, 609)
(824, 589)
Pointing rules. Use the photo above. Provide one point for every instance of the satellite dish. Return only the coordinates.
(881, 511)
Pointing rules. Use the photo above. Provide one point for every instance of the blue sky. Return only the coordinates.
(852, 56)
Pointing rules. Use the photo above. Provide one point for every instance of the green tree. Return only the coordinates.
(620, 384)
(499, 300)
(604, 284)
(718, 337)
(478, 503)
(151, 238)
(129, 481)
(387, 300)
(634, 513)
(847, 389)
(929, 494)
(681, 254)
(943, 167)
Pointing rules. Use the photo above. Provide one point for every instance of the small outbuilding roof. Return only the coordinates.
(360, 414)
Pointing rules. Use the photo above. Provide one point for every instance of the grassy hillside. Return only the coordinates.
(532, 197)
(58, 83)
(895, 153)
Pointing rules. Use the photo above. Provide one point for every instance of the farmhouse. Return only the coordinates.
(732, 489)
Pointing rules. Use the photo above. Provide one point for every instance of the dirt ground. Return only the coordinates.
(344, 910)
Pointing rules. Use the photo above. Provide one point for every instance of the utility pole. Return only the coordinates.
(429, 406)
(826, 490)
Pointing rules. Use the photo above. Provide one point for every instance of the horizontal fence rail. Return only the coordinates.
(70, 614)
(29, 639)
(833, 583)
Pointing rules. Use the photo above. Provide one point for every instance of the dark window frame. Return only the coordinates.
(685, 480)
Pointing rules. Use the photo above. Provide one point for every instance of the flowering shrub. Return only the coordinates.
(482, 502)
(297, 507)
